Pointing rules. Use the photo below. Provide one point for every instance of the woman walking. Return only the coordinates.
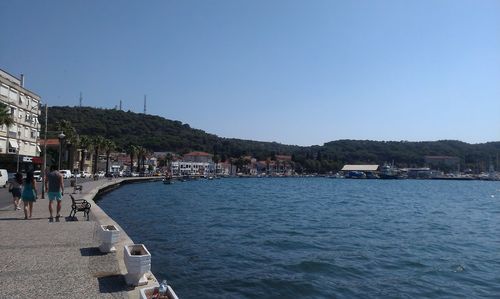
(29, 194)
(15, 188)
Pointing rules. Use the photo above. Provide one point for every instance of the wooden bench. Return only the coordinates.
(79, 205)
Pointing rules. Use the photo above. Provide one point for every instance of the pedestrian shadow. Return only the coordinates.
(113, 284)
(91, 251)
(11, 218)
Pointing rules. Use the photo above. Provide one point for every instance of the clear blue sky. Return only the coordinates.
(296, 72)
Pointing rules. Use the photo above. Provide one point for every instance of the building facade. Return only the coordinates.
(19, 143)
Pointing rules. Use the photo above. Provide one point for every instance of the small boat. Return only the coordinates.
(167, 180)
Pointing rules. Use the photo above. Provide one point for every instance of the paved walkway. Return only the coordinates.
(42, 259)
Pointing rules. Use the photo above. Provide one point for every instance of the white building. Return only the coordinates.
(19, 142)
(182, 168)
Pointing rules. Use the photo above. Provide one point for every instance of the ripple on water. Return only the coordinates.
(317, 238)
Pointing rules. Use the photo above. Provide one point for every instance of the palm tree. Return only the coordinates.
(216, 160)
(6, 119)
(5, 116)
(97, 143)
(85, 145)
(132, 151)
(142, 154)
(71, 138)
(169, 158)
(108, 147)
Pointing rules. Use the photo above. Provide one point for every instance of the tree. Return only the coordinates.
(168, 158)
(132, 151)
(108, 147)
(6, 119)
(71, 138)
(141, 156)
(5, 116)
(98, 143)
(85, 145)
(216, 160)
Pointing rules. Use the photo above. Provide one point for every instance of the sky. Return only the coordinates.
(294, 72)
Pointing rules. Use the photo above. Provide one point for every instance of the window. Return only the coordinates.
(26, 132)
(13, 111)
(13, 95)
(22, 98)
(4, 90)
(33, 134)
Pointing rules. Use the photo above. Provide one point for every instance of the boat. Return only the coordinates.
(388, 172)
(167, 180)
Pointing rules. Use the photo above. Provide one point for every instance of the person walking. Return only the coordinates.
(15, 187)
(29, 194)
(54, 183)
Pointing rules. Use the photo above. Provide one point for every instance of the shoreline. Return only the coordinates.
(60, 258)
(101, 218)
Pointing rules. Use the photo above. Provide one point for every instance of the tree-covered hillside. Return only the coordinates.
(156, 133)
(159, 134)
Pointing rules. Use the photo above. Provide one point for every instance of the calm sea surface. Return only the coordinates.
(317, 237)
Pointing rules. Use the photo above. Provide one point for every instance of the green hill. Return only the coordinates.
(159, 134)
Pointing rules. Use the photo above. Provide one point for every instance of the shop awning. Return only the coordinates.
(13, 143)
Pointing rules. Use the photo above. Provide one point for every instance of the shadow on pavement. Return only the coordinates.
(91, 251)
(4, 219)
(112, 284)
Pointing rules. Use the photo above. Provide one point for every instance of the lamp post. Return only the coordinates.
(61, 139)
(44, 169)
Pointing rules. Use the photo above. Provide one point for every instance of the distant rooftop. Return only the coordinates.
(360, 168)
(200, 154)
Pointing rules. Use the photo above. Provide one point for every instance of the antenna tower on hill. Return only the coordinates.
(81, 99)
(144, 104)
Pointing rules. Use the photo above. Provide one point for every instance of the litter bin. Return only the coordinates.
(72, 182)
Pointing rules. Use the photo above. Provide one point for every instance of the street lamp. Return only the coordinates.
(61, 139)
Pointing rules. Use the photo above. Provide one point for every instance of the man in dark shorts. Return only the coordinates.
(54, 183)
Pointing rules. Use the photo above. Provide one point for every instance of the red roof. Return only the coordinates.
(198, 154)
(283, 158)
(53, 142)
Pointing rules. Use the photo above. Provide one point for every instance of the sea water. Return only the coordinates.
(317, 237)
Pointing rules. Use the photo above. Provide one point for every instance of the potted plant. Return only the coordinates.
(138, 262)
(147, 293)
(109, 237)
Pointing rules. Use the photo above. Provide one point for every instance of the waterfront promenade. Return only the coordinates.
(42, 259)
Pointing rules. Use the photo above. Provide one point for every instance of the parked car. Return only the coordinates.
(66, 173)
(4, 177)
(38, 175)
(101, 174)
(84, 174)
